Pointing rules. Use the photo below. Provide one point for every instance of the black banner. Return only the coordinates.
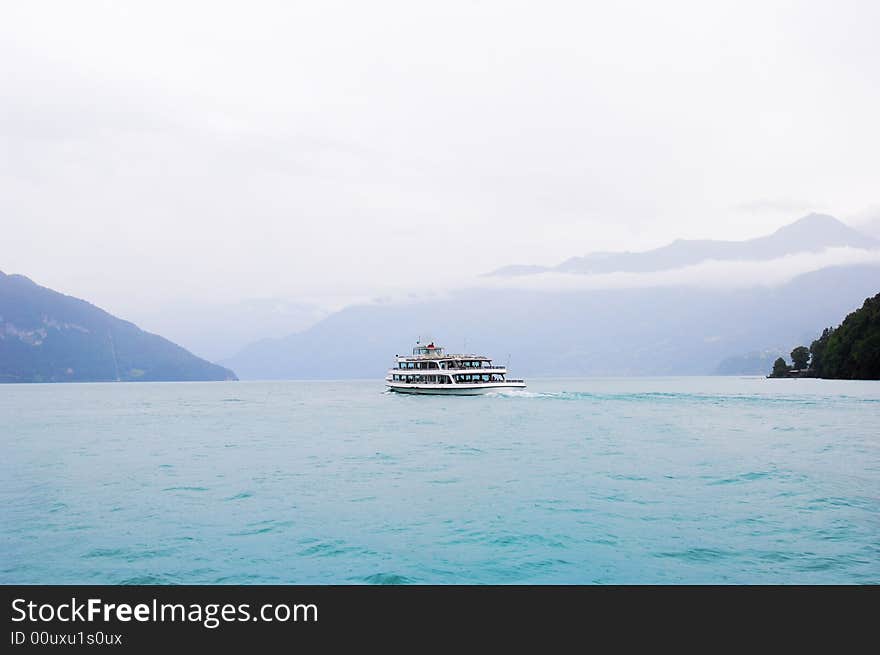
(147, 618)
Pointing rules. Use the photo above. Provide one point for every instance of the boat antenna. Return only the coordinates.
(464, 349)
(508, 360)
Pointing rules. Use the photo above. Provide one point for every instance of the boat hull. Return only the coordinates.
(453, 389)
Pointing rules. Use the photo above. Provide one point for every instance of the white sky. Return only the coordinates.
(152, 151)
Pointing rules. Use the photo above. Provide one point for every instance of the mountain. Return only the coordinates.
(871, 227)
(852, 350)
(218, 330)
(812, 233)
(753, 363)
(656, 331)
(46, 336)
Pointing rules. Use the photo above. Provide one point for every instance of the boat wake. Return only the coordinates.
(518, 393)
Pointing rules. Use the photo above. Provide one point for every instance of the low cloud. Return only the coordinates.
(710, 273)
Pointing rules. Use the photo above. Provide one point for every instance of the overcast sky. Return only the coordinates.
(154, 151)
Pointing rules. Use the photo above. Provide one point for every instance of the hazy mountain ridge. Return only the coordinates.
(215, 331)
(660, 331)
(46, 336)
(812, 233)
(753, 363)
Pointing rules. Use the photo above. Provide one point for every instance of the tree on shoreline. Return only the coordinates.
(852, 350)
(780, 369)
(800, 356)
(817, 350)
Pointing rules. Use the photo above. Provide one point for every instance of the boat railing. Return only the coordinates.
(516, 381)
(463, 369)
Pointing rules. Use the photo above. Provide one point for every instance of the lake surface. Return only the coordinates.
(662, 480)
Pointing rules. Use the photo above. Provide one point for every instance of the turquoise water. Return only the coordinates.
(666, 480)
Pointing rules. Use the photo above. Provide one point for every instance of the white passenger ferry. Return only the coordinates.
(431, 371)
